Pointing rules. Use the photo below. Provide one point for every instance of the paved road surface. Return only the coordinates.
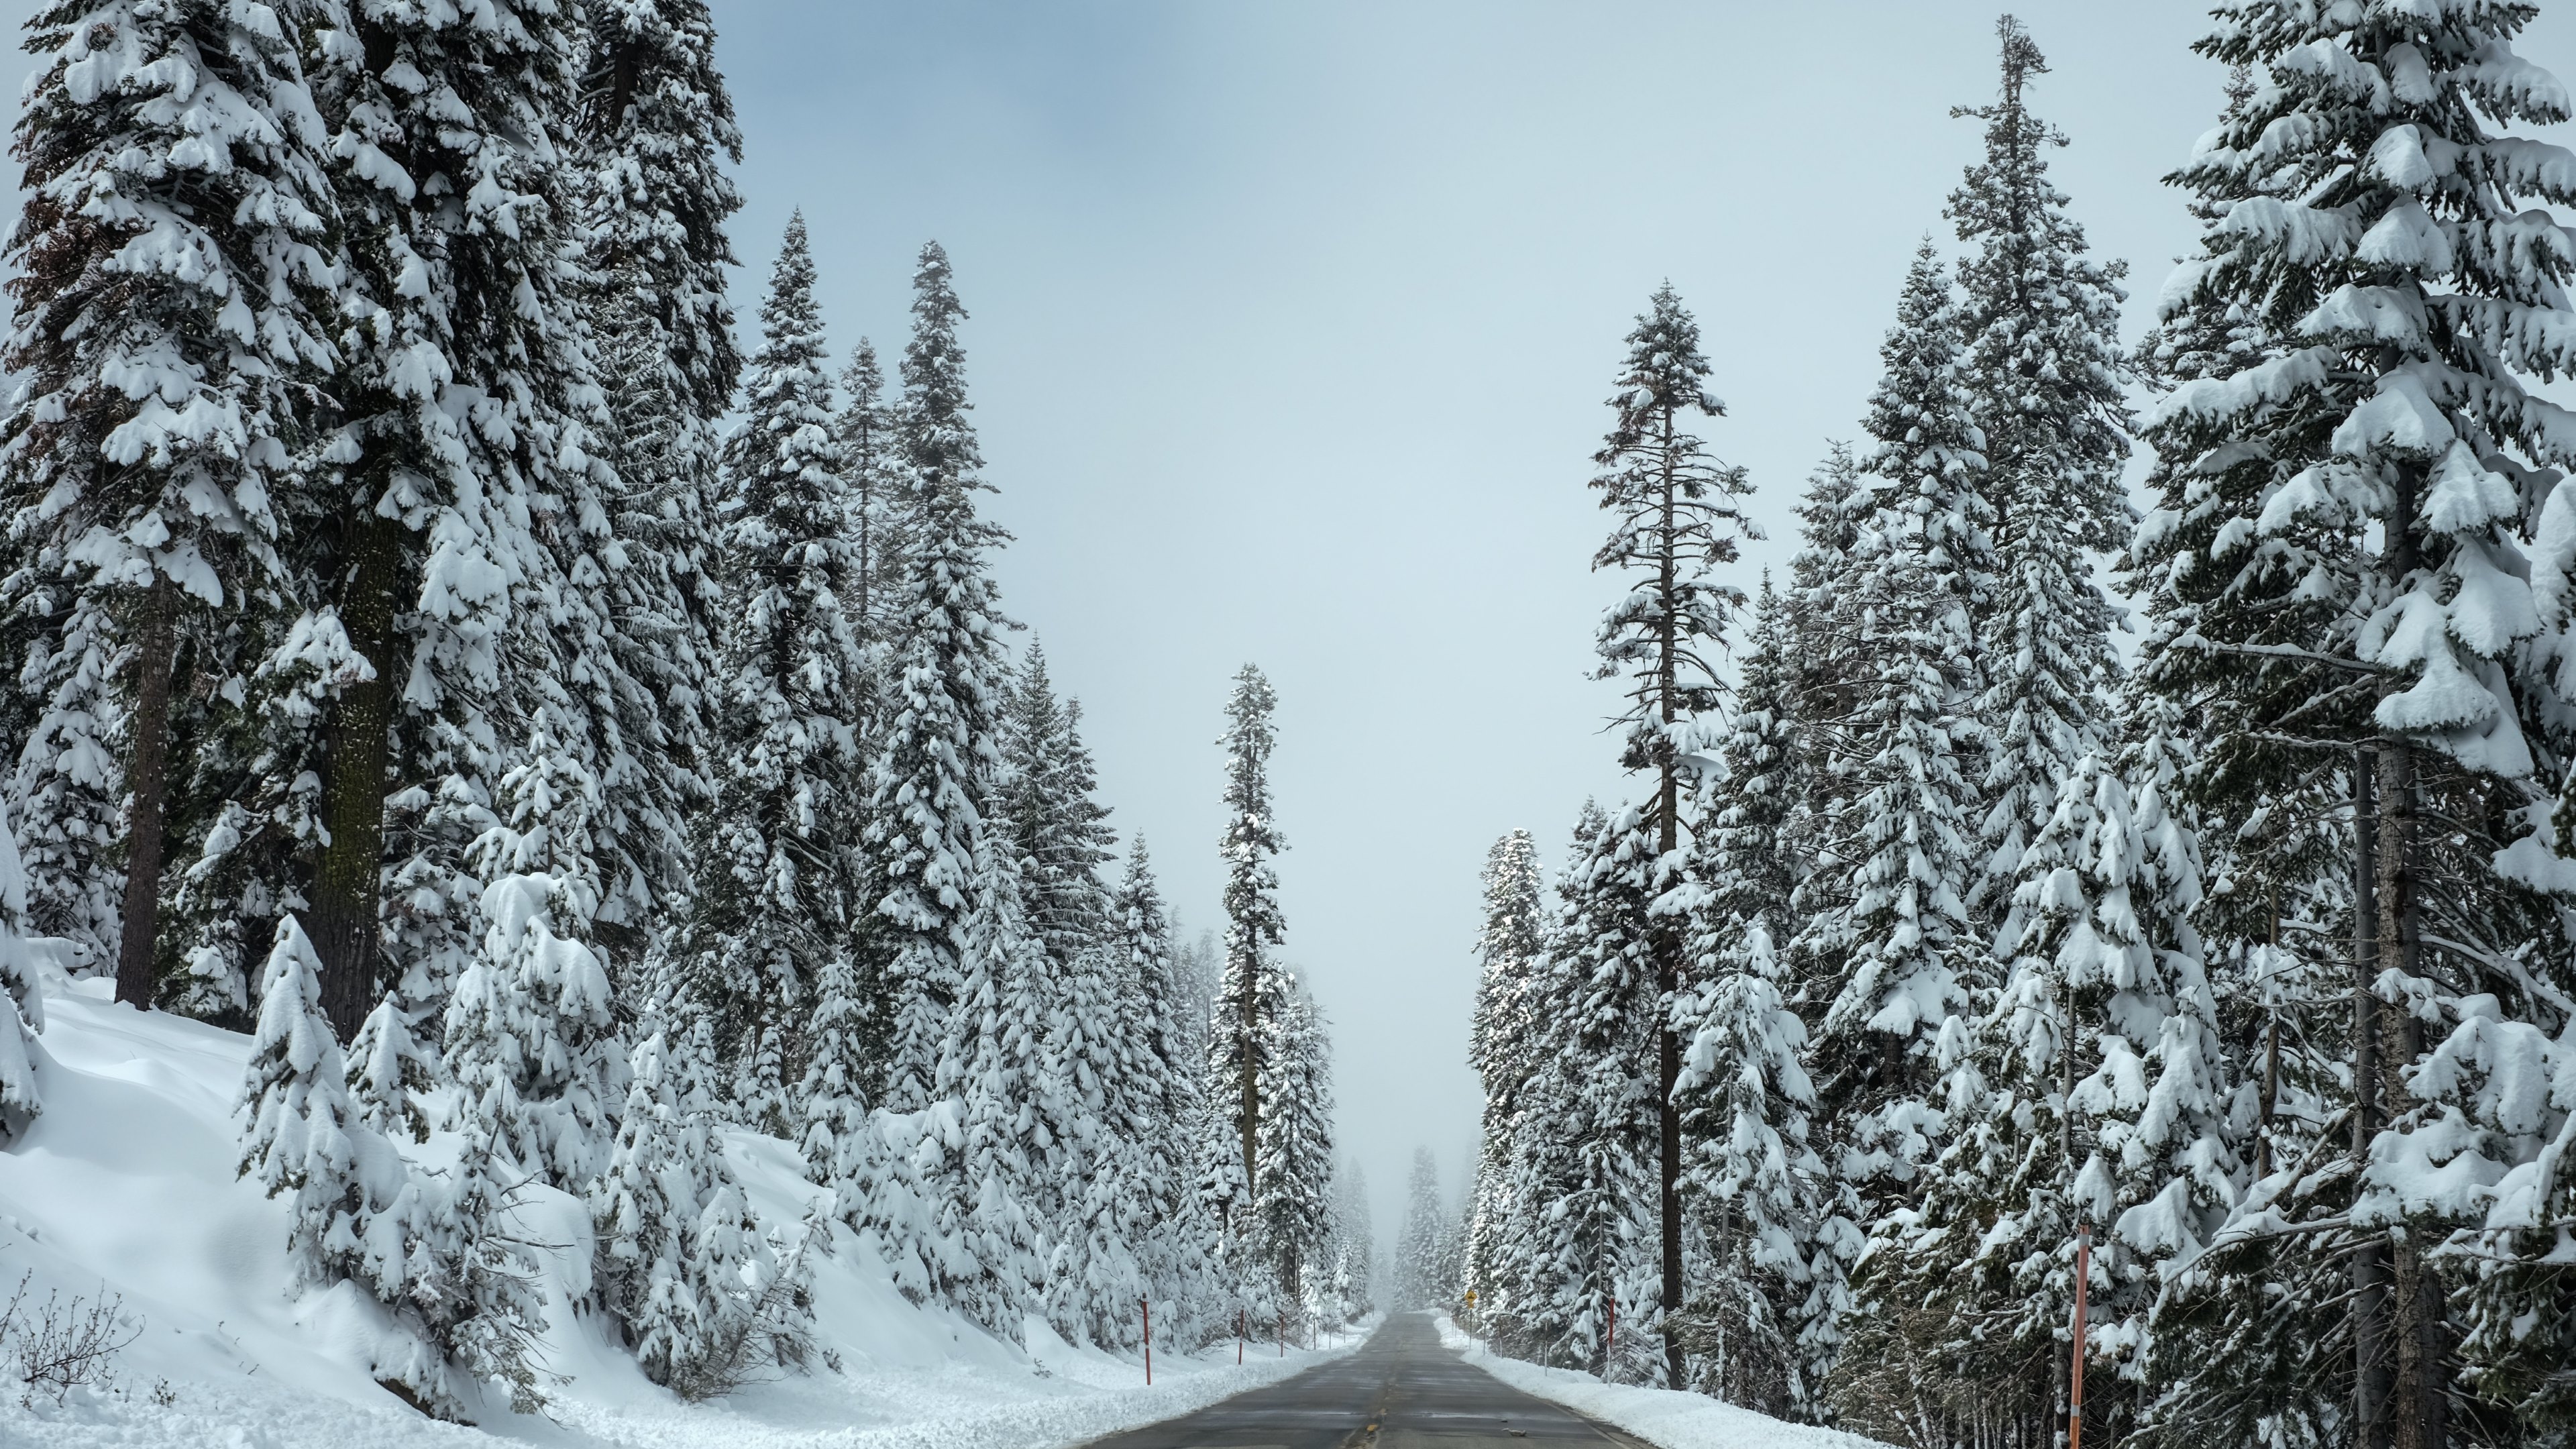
(1401, 1389)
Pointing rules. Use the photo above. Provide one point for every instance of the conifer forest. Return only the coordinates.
(542, 880)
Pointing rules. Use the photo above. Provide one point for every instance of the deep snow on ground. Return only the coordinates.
(1668, 1418)
(126, 1186)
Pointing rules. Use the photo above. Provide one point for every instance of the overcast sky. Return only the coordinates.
(1291, 329)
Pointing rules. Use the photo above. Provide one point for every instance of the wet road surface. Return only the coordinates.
(1399, 1390)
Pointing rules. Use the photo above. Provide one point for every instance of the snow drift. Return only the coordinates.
(125, 1189)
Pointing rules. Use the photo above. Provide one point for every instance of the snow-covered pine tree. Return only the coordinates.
(1253, 989)
(1508, 958)
(2369, 224)
(457, 454)
(21, 1100)
(1046, 811)
(830, 1105)
(427, 1252)
(1417, 1243)
(1581, 1241)
(1678, 515)
(998, 1193)
(674, 1234)
(1354, 1260)
(2095, 1092)
(939, 749)
(1293, 1197)
(872, 460)
(1152, 1099)
(1744, 1093)
(529, 1036)
(2040, 333)
(1895, 964)
(173, 305)
(389, 1070)
(653, 127)
(773, 863)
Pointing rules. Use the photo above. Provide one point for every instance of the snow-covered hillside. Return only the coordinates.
(126, 1185)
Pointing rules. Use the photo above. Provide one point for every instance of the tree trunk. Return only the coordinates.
(2416, 1400)
(342, 920)
(2370, 1261)
(1665, 942)
(148, 776)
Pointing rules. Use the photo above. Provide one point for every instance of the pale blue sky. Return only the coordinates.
(1292, 325)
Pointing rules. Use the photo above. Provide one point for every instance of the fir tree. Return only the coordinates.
(1253, 989)
(872, 457)
(458, 458)
(674, 1235)
(2386, 453)
(939, 751)
(773, 876)
(1417, 1244)
(2039, 330)
(1508, 954)
(529, 1037)
(1293, 1197)
(173, 304)
(1046, 807)
(1744, 1092)
(1678, 517)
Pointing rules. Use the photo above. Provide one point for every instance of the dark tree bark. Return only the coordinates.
(148, 777)
(342, 919)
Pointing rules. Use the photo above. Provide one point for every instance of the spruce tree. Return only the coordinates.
(1508, 952)
(173, 312)
(2389, 452)
(1253, 989)
(652, 125)
(674, 1235)
(1678, 515)
(1046, 808)
(939, 750)
(1293, 1197)
(2039, 324)
(1744, 1092)
(457, 453)
(872, 457)
(773, 868)
(1417, 1244)
(1895, 963)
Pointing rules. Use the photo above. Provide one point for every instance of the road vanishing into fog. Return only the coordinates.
(1398, 1390)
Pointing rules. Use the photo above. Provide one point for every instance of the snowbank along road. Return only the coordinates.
(1400, 1390)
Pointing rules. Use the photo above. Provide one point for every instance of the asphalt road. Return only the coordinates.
(1399, 1390)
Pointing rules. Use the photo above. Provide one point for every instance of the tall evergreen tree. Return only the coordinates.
(940, 747)
(1508, 958)
(1293, 1197)
(1417, 1243)
(1046, 808)
(2039, 329)
(1253, 990)
(1897, 964)
(1744, 1091)
(173, 303)
(872, 455)
(459, 439)
(773, 872)
(1678, 515)
(653, 126)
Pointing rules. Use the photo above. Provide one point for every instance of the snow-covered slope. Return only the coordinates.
(126, 1185)
(1662, 1417)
